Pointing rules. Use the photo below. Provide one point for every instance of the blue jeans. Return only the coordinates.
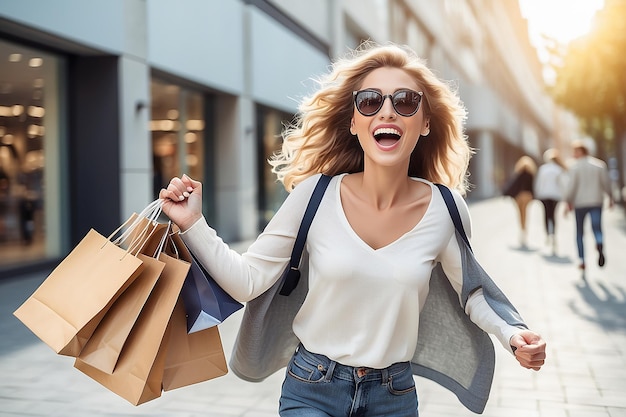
(316, 386)
(596, 226)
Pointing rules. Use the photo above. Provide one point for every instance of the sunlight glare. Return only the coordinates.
(563, 20)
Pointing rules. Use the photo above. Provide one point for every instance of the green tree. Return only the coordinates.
(590, 80)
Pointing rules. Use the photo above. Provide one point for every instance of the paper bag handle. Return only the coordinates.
(151, 213)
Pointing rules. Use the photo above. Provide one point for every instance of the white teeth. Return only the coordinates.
(387, 131)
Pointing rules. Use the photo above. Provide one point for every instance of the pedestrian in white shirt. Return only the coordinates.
(386, 129)
(549, 188)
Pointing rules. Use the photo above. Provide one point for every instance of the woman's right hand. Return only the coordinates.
(182, 201)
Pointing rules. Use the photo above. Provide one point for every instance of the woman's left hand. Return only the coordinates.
(530, 349)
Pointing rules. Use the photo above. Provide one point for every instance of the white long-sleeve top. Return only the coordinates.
(550, 182)
(363, 304)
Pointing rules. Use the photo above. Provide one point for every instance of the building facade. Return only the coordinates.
(102, 102)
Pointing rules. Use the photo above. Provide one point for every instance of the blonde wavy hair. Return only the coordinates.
(319, 140)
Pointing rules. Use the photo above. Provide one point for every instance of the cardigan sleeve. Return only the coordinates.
(477, 307)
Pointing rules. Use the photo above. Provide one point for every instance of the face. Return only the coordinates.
(387, 137)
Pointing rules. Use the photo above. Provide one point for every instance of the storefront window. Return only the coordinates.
(31, 222)
(271, 193)
(178, 126)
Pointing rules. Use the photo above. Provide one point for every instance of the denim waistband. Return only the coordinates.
(361, 373)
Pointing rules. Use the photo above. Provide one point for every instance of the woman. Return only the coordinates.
(549, 187)
(520, 187)
(386, 129)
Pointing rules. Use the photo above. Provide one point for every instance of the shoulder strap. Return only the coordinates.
(454, 212)
(291, 276)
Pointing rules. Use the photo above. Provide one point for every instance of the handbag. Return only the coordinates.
(66, 308)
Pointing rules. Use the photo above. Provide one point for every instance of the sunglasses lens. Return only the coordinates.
(368, 102)
(406, 102)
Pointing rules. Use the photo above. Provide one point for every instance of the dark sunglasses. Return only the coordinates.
(405, 102)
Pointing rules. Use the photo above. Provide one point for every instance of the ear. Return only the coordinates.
(352, 127)
(426, 127)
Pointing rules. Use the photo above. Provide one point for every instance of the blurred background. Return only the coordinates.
(101, 102)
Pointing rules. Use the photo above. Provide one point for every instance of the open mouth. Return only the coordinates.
(387, 136)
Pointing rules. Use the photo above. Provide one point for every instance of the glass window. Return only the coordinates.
(271, 192)
(31, 218)
(178, 126)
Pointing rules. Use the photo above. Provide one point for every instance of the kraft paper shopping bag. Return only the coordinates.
(138, 375)
(65, 309)
(192, 358)
(103, 348)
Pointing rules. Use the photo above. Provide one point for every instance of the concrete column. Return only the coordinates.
(134, 98)
(235, 173)
(235, 188)
(235, 184)
(484, 182)
(337, 28)
(135, 138)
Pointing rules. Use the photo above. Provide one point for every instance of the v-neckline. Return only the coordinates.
(357, 237)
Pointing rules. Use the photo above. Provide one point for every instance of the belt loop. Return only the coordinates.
(330, 371)
(384, 373)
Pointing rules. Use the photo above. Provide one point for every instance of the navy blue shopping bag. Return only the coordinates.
(206, 303)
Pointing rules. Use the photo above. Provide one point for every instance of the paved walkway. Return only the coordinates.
(584, 323)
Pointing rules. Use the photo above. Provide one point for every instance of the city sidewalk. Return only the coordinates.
(583, 322)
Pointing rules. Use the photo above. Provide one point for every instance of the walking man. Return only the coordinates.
(588, 184)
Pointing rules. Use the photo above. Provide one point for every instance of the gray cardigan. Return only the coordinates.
(266, 342)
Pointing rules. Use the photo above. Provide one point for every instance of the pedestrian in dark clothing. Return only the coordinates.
(520, 188)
